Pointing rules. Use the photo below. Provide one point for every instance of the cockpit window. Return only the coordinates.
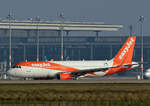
(16, 66)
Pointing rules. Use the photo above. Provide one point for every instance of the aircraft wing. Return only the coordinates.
(85, 71)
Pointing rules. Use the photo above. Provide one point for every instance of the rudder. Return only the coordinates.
(124, 56)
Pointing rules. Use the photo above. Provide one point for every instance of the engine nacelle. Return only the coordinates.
(64, 76)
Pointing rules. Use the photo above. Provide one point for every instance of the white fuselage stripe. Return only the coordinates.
(34, 72)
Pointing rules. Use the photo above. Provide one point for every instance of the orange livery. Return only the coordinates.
(77, 69)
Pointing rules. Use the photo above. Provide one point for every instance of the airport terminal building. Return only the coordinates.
(25, 34)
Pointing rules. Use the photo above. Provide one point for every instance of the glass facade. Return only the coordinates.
(24, 46)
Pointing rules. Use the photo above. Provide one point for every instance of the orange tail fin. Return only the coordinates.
(124, 56)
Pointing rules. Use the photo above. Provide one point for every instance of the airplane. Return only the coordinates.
(73, 70)
(147, 73)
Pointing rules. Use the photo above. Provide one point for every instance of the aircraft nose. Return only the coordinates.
(10, 72)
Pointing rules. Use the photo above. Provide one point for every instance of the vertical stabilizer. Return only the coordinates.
(124, 56)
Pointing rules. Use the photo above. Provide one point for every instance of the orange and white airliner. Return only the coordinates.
(77, 69)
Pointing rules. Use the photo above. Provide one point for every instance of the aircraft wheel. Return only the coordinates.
(75, 78)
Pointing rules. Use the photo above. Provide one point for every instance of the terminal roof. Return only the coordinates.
(58, 25)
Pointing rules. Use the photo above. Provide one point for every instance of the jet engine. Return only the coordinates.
(64, 76)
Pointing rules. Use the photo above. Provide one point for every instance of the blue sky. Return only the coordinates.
(123, 12)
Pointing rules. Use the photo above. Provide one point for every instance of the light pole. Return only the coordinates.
(131, 30)
(37, 36)
(141, 20)
(24, 52)
(10, 17)
(61, 32)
